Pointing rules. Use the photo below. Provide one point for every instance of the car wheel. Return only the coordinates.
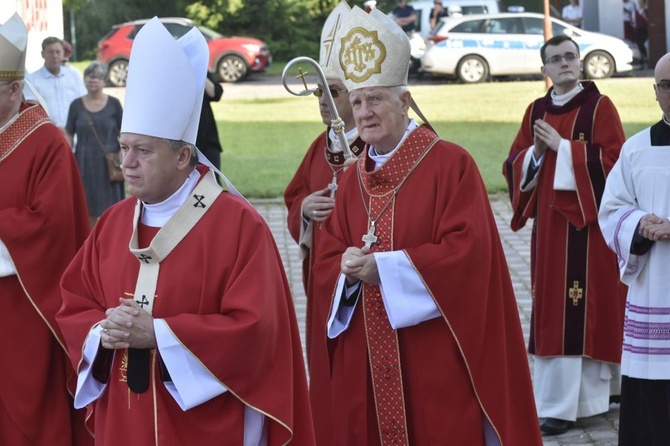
(232, 69)
(598, 65)
(118, 72)
(472, 69)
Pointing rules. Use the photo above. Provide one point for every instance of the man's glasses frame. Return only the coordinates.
(568, 57)
(663, 87)
(334, 92)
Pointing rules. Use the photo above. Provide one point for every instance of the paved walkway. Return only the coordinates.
(599, 430)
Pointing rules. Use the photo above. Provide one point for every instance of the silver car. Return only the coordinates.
(476, 47)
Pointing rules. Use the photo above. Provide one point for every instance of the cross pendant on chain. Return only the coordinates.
(333, 185)
(370, 238)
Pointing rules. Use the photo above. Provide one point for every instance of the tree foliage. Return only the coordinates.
(290, 27)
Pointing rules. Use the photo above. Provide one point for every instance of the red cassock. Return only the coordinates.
(458, 369)
(223, 293)
(43, 222)
(578, 300)
(315, 173)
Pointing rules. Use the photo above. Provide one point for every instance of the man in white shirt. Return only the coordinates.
(572, 13)
(57, 84)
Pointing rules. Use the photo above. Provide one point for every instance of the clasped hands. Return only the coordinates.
(546, 137)
(360, 264)
(127, 326)
(655, 228)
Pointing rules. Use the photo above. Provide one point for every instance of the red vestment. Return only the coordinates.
(315, 173)
(223, 293)
(459, 369)
(43, 222)
(578, 300)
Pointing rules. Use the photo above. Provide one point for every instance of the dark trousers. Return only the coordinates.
(641, 36)
(644, 417)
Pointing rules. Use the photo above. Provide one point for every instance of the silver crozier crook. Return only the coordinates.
(336, 122)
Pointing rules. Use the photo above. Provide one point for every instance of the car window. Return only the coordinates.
(133, 33)
(503, 26)
(474, 10)
(177, 30)
(557, 29)
(533, 25)
(469, 26)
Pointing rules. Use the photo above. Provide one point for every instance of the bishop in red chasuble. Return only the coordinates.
(42, 224)
(465, 368)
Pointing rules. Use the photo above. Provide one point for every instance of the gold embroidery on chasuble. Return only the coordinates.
(25, 123)
(381, 186)
(575, 293)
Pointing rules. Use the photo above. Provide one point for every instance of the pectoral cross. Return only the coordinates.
(575, 293)
(333, 185)
(370, 238)
(143, 302)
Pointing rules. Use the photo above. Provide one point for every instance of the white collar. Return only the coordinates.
(381, 159)
(562, 99)
(156, 215)
(351, 136)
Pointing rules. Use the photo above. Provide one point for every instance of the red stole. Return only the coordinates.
(381, 186)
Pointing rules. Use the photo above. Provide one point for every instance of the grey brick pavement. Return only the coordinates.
(599, 430)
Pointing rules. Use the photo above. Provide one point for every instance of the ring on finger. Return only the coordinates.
(104, 330)
(315, 213)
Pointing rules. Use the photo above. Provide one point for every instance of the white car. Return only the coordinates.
(476, 47)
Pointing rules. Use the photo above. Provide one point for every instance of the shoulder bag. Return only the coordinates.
(112, 159)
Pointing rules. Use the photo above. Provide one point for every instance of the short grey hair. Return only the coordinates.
(176, 144)
(96, 67)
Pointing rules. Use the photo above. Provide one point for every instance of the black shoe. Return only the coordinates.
(554, 426)
(615, 399)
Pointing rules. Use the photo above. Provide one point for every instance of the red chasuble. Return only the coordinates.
(315, 173)
(462, 368)
(223, 293)
(578, 300)
(43, 222)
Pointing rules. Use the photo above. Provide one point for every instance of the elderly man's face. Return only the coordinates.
(10, 98)
(341, 100)
(151, 168)
(381, 116)
(53, 57)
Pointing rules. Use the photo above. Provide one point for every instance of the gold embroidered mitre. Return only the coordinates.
(330, 31)
(372, 51)
(13, 44)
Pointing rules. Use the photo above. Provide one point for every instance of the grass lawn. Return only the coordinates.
(265, 140)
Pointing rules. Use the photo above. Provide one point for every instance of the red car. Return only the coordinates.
(231, 58)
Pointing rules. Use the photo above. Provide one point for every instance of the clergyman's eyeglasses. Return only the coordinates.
(333, 91)
(663, 86)
(568, 57)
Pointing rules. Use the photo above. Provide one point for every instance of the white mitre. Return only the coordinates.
(327, 57)
(13, 44)
(166, 83)
(372, 51)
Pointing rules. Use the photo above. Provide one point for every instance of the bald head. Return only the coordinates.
(662, 68)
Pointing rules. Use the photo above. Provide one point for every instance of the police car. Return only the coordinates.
(476, 47)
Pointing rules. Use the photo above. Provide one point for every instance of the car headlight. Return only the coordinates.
(251, 47)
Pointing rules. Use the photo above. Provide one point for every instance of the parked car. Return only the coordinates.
(476, 47)
(231, 58)
(467, 7)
